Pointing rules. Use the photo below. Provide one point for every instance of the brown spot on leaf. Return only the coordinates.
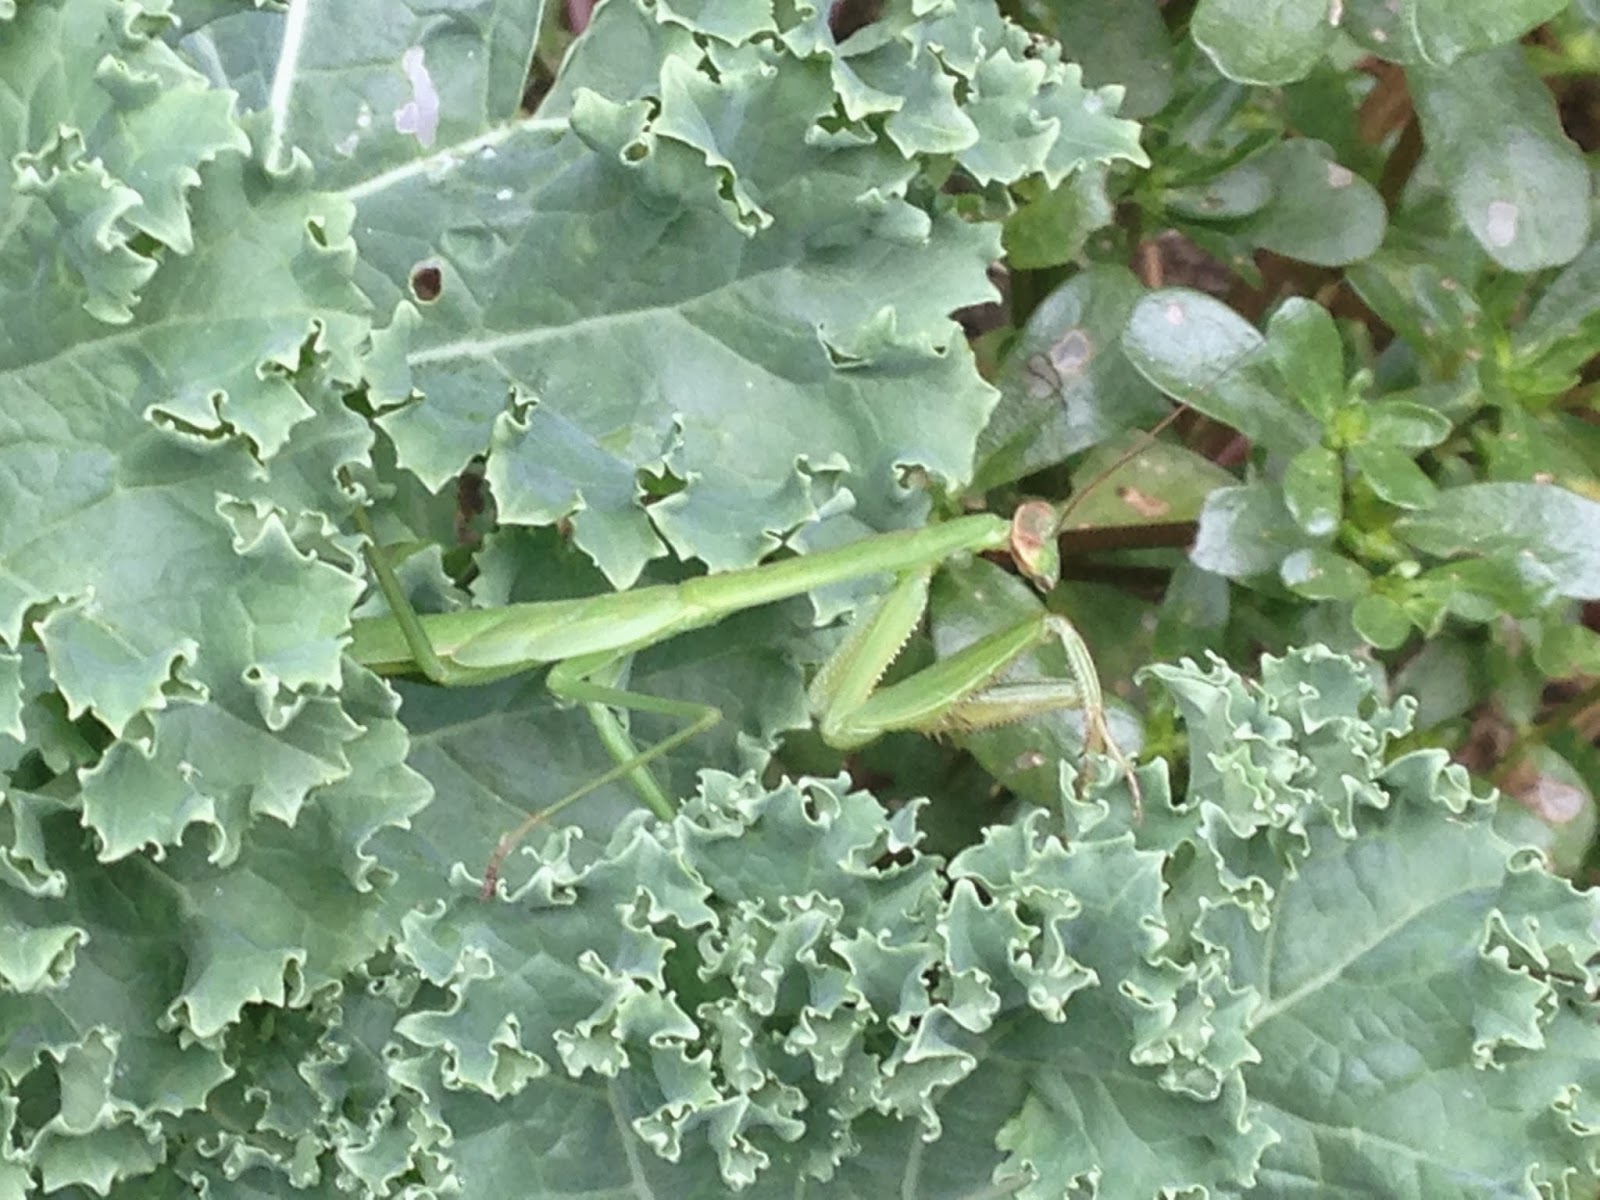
(426, 282)
(1143, 503)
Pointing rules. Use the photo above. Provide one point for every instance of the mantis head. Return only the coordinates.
(1033, 543)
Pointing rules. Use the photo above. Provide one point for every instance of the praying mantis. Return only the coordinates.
(586, 641)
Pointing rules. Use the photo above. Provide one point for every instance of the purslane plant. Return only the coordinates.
(264, 267)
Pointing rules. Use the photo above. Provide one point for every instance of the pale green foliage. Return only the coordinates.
(240, 950)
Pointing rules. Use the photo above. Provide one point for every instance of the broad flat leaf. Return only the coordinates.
(368, 87)
(1164, 482)
(1406, 424)
(1291, 198)
(158, 436)
(1265, 43)
(1123, 44)
(1541, 527)
(724, 292)
(1052, 229)
(1066, 384)
(1552, 447)
(1393, 474)
(1304, 342)
(1313, 490)
(1493, 135)
(1433, 310)
(1560, 330)
(1438, 32)
(1381, 620)
(1199, 350)
(1194, 612)
(1247, 531)
(1321, 211)
(108, 129)
(1318, 573)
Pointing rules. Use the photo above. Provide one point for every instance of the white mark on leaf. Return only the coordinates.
(1335, 12)
(364, 116)
(1378, 36)
(487, 153)
(1553, 800)
(1175, 314)
(347, 146)
(1501, 226)
(1092, 103)
(1340, 176)
(504, 194)
(419, 115)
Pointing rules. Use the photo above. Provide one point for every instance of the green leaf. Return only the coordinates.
(1393, 474)
(1163, 482)
(1199, 350)
(1304, 343)
(1246, 531)
(1321, 212)
(762, 289)
(1194, 614)
(1552, 447)
(1313, 490)
(1464, 1013)
(410, 85)
(1441, 31)
(108, 127)
(1067, 384)
(1381, 620)
(1493, 136)
(1271, 43)
(1322, 574)
(1127, 45)
(167, 955)
(162, 436)
(1566, 648)
(1542, 528)
(1552, 808)
(1433, 310)
(1051, 229)
(1406, 424)
(1560, 331)
(1485, 589)
(1291, 198)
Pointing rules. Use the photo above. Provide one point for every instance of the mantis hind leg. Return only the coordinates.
(572, 680)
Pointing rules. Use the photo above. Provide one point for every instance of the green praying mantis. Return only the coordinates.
(587, 641)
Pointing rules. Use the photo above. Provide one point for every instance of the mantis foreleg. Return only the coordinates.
(959, 692)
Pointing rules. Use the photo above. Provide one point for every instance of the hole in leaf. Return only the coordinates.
(426, 283)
